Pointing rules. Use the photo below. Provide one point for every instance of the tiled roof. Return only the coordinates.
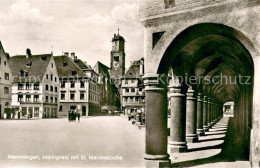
(101, 69)
(35, 65)
(82, 65)
(67, 68)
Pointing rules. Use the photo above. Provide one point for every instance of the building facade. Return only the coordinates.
(35, 87)
(132, 89)
(5, 83)
(77, 90)
(93, 86)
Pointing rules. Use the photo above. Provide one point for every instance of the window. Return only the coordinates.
(62, 96)
(60, 108)
(46, 87)
(72, 84)
(36, 86)
(65, 64)
(56, 89)
(131, 99)
(140, 89)
(47, 76)
(51, 77)
(72, 96)
(132, 90)
(55, 79)
(126, 99)
(63, 84)
(23, 73)
(6, 76)
(20, 86)
(36, 98)
(6, 90)
(36, 111)
(56, 100)
(28, 86)
(82, 96)
(73, 73)
(82, 84)
(51, 101)
(51, 65)
(20, 98)
(51, 88)
(126, 81)
(46, 99)
(28, 98)
(4, 62)
(127, 90)
(136, 99)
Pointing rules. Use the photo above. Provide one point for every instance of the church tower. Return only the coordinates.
(117, 61)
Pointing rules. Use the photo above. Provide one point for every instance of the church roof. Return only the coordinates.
(35, 66)
(101, 69)
(67, 68)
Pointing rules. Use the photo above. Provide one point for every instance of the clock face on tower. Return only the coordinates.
(116, 64)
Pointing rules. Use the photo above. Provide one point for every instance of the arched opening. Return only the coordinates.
(215, 63)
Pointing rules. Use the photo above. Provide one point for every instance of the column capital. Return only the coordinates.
(205, 99)
(199, 97)
(191, 94)
(155, 81)
(177, 90)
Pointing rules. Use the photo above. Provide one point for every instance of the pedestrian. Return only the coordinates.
(78, 117)
(69, 116)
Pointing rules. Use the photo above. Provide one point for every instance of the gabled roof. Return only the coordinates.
(101, 69)
(2, 48)
(133, 72)
(65, 67)
(35, 65)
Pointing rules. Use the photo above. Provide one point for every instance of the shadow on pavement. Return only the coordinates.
(231, 150)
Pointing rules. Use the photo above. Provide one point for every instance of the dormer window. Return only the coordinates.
(44, 58)
(29, 64)
(65, 64)
(23, 73)
(73, 72)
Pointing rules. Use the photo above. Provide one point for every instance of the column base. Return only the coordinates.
(178, 147)
(209, 125)
(205, 128)
(200, 132)
(192, 138)
(158, 163)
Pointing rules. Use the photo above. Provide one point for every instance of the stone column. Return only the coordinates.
(209, 112)
(156, 121)
(205, 114)
(200, 130)
(191, 117)
(212, 113)
(177, 139)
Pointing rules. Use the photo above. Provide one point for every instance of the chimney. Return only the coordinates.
(66, 54)
(72, 56)
(28, 53)
(142, 66)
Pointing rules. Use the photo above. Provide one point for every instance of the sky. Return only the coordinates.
(85, 27)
